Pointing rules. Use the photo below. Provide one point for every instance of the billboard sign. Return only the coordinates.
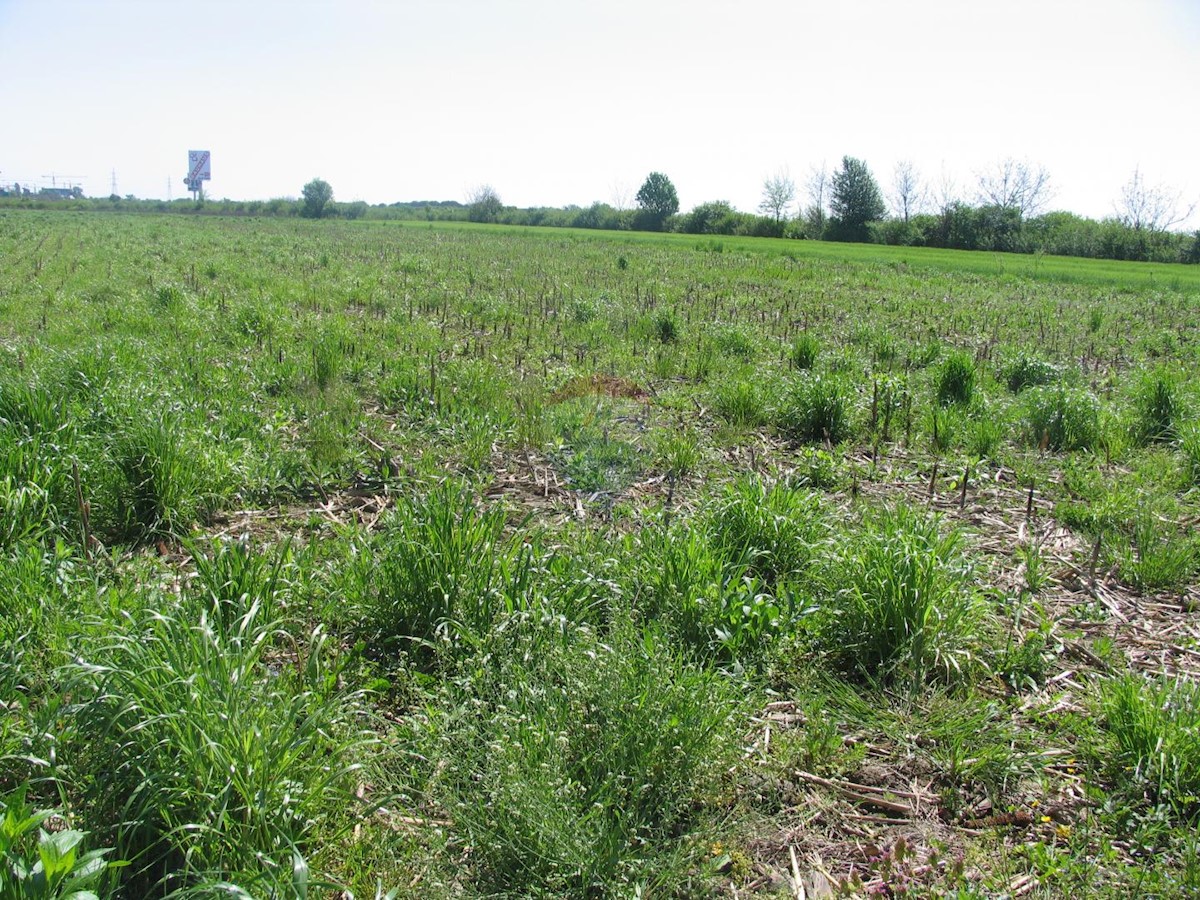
(199, 168)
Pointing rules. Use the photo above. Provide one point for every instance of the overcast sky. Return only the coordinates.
(556, 102)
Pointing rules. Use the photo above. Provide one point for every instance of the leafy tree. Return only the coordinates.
(657, 200)
(855, 201)
(317, 193)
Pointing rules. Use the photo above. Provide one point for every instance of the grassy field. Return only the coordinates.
(358, 558)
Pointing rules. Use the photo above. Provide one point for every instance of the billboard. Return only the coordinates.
(199, 168)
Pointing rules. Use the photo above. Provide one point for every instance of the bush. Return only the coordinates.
(906, 610)
(815, 408)
(1061, 418)
(956, 379)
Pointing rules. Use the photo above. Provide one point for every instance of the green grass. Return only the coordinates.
(479, 561)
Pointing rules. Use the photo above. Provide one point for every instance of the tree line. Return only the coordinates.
(1006, 213)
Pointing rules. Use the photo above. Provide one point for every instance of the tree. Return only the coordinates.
(817, 187)
(483, 204)
(657, 200)
(1014, 184)
(317, 194)
(855, 201)
(908, 193)
(778, 193)
(1150, 207)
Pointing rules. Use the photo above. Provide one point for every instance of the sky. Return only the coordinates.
(557, 102)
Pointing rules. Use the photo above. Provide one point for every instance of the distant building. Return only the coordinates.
(62, 193)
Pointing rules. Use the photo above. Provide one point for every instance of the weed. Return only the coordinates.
(955, 380)
(1156, 726)
(1161, 558)
(666, 327)
(815, 408)
(773, 528)
(40, 862)
(905, 610)
(570, 760)
(1028, 371)
(805, 350)
(1156, 408)
(205, 755)
(740, 402)
(1061, 418)
(434, 572)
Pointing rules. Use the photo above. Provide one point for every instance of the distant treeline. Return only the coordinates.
(958, 226)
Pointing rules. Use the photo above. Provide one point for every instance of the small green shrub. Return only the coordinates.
(815, 408)
(805, 350)
(1061, 418)
(955, 379)
(41, 864)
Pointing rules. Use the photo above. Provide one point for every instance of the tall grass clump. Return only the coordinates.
(805, 350)
(772, 529)
(1189, 447)
(1028, 371)
(1060, 418)
(815, 408)
(705, 599)
(1161, 557)
(955, 379)
(1157, 408)
(438, 572)
(905, 609)
(1156, 725)
(740, 402)
(573, 765)
(164, 484)
(216, 745)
